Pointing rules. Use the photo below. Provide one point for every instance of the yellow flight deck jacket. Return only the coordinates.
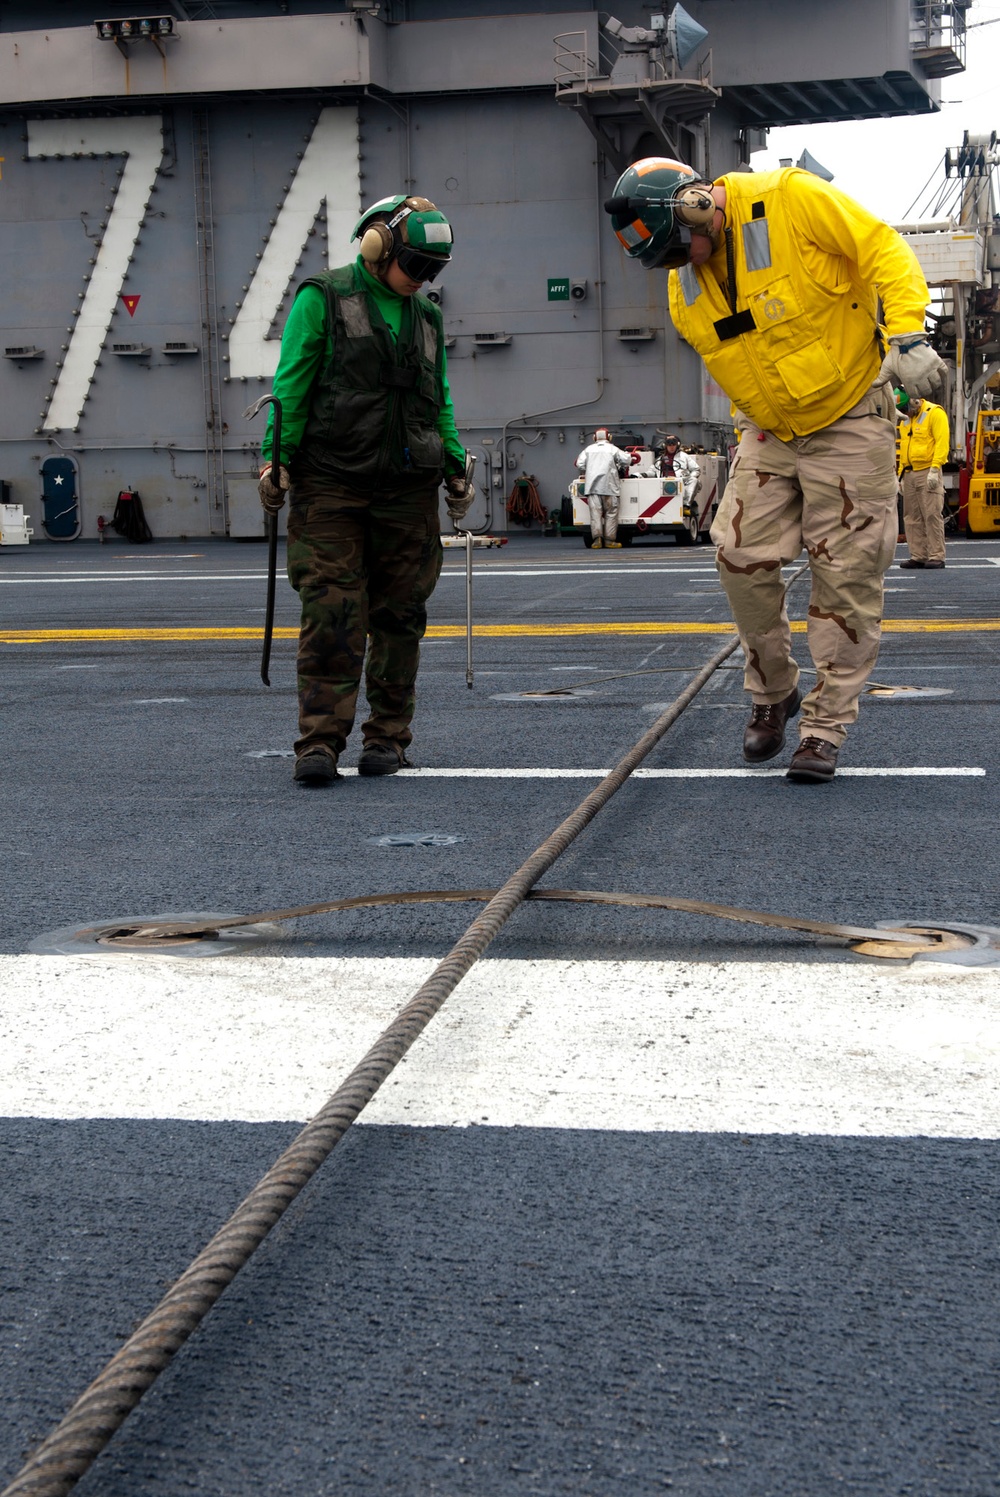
(924, 440)
(794, 341)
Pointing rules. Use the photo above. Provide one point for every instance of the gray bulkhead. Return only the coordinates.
(160, 204)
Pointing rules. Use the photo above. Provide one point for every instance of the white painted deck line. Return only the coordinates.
(63, 580)
(673, 774)
(134, 577)
(844, 1048)
(484, 573)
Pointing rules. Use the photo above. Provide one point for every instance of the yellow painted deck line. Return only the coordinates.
(457, 631)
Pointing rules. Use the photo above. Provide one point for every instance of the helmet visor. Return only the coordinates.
(418, 265)
(667, 245)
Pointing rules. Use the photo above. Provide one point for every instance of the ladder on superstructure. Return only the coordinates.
(215, 478)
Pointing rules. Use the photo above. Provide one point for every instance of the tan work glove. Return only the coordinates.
(912, 363)
(461, 493)
(933, 480)
(273, 498)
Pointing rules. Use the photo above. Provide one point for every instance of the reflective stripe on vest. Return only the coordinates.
(757, 244)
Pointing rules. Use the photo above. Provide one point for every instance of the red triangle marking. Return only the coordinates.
(131, 302)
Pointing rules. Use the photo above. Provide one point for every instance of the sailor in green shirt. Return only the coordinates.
(368, 435)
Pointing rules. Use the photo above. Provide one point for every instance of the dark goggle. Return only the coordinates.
(418, 266)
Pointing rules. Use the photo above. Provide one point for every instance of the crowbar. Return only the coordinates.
(272, 527)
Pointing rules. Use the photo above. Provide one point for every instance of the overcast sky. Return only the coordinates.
(895, 166)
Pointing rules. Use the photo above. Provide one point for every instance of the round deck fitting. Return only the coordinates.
(124, 937)
(556, 694)
(417, 839)
(957, 945)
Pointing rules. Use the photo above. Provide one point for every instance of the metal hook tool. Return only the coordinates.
(272, 528)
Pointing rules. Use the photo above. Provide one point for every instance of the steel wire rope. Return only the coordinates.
(68, 1452)
(667, 670)
(149, 935)
(72, 1447)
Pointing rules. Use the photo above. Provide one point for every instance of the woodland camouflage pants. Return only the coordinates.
(364, 566)
(833, 492)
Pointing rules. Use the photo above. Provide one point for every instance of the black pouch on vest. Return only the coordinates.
(396, 378)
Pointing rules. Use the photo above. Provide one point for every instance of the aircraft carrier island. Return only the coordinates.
(166, 188)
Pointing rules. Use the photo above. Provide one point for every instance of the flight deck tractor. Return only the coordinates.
(653, 503)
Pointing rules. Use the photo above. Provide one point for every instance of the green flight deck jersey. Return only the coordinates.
(362, 384)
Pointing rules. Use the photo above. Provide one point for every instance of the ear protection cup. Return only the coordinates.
(377, 244)
(694, 207)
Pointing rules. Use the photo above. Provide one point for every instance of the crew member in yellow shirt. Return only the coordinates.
(923, 443)
(775, 279)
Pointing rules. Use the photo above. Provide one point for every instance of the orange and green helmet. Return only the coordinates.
(653, 210)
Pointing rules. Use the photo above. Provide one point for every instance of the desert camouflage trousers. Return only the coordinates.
(923, 516)
(364, 566)
(833, 492)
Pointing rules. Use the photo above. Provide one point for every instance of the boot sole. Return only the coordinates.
(322, 776)
(763, 758)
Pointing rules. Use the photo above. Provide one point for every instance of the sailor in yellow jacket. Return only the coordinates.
(923, 441)
(775, 279)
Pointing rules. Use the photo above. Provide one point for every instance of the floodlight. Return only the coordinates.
(684, 35)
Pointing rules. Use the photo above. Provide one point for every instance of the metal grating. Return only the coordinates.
(817, 101)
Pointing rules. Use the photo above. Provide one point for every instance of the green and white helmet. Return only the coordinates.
(657, 203)
(410, 230)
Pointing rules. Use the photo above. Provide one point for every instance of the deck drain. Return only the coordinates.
(124, 937)
(906, 693)
(417, 839)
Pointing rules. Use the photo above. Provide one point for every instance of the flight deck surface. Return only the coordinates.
(657, 1202)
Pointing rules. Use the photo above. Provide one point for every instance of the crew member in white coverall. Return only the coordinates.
(603, 466)
(674, 462)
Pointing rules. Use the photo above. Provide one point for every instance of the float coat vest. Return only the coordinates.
(794, 341)
(374, 409)
(924, 439)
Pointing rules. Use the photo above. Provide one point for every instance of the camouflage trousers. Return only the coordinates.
(833, 492)
(364, 566)
(923, 516)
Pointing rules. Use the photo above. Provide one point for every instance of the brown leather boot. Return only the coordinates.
(814, 761)
(765, 732)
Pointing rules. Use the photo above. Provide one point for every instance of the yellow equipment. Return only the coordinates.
(983, 503)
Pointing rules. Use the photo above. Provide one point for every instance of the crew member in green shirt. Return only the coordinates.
(368, 435)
